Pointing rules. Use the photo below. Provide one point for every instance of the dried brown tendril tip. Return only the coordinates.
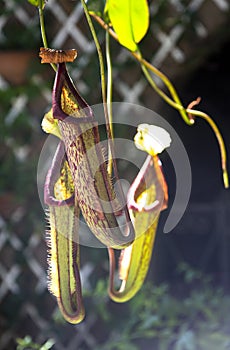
(57, 56)
(190, 106)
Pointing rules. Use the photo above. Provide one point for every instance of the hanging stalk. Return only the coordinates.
(43, 31)
(108, 126)
(109, 95)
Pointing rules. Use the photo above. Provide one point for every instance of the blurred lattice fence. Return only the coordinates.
(182, 34)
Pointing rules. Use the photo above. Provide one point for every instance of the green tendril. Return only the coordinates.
(109, 94)
(43, 31)
(175, 102)
(107, 120)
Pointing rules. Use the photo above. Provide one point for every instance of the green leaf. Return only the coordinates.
(130, 20)
(37, 2)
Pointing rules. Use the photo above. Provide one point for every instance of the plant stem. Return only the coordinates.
(175, 102)
(43, 31)
(108, 126)
(220, 140)
(100, 57)
(109, 96)
(102, 74)
(189, 120)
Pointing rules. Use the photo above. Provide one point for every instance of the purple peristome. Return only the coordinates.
(92, 183)
(62, 78)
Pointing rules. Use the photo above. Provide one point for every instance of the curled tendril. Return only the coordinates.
(194, 113)
(188, 114)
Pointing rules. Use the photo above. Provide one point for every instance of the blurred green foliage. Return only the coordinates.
(18, 135)
(191, 315)
(28, 37)
(27, 344)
